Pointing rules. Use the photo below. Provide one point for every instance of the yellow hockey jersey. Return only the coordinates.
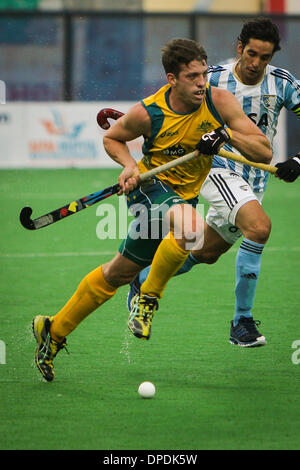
(174, 135)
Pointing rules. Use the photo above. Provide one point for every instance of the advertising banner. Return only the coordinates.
(56, 135)
(66, 135)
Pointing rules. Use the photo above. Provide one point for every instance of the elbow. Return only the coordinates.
(107, 144)
(105, 141)
(267, 155)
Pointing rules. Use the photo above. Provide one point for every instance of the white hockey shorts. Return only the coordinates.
(226, 192)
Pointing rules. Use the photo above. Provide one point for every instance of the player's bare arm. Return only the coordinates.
(246, 136)
(129, 127)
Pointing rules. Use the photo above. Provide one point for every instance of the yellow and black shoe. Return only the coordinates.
(141, 315)
(47, 348)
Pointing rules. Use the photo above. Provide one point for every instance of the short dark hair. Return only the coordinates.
(181, 51)
(263, 29)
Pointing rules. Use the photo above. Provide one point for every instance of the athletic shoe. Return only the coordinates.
(141, 314)
(135, 287)
(47, 348)
(245, 333)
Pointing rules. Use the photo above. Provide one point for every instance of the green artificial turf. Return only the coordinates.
(209, 394)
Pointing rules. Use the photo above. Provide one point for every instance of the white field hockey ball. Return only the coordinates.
(146, 390)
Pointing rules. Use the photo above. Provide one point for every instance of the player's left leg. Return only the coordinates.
(95, 288)
(255, 226)
(236, 210)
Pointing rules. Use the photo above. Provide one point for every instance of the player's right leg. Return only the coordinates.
(186, 230)
(95, 288)
(173, 225)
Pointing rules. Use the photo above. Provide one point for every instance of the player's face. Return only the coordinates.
(189, 87)
(254, 58)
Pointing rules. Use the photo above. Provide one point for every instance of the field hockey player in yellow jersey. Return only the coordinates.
(182, 116)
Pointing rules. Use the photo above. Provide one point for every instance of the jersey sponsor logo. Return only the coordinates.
(168, 134)
(175, 150)
(244, 187)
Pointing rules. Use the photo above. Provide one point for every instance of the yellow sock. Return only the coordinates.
(169, 257)
(92, 292)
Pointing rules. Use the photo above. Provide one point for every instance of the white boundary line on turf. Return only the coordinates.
(110, 253)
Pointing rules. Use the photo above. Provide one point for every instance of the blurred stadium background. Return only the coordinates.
(61, 60)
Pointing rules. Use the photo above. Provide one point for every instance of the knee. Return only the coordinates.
(187, 226)
(207, 258)
(212, 259)
(117, 277)
(260, 232)
(264, 232)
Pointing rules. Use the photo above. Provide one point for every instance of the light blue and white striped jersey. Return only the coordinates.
(262, 103)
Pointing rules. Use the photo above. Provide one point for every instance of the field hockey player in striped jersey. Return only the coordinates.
(235, 191)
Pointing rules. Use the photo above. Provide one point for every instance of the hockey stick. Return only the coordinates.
(105, 114)
(63, 212)
(79, 204)
(239, 158)
(109, 113)
(87, 201)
